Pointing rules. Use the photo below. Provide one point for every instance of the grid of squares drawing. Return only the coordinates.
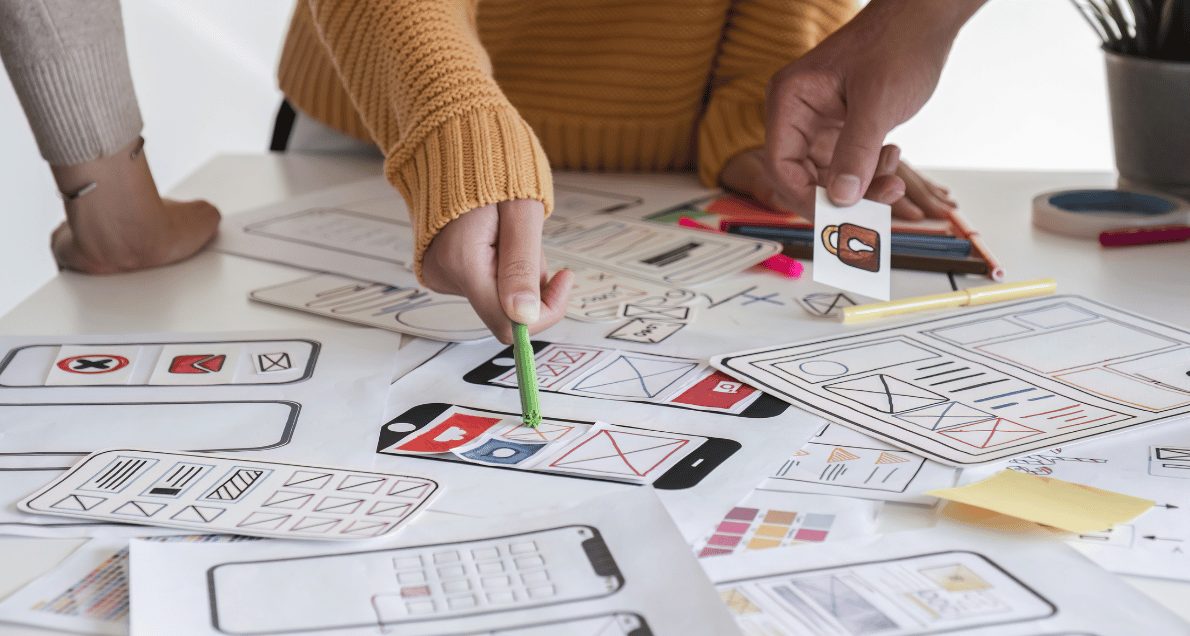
(452, 580)
(747, 528)
(159, 364)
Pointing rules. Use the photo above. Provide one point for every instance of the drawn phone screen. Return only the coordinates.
(917, 594)
(85, 428)
(613, 374)
(565, 448)
(414, 584)
(211, 363)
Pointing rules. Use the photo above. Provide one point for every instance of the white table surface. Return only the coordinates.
(209, 292)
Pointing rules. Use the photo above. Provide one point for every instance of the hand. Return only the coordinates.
(492, 255)
(123, 224)
(829, 112)
(911, 195)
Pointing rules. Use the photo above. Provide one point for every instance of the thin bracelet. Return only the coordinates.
(90, 187)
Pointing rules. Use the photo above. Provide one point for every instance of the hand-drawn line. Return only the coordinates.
(237, 484)
(118, 474)
(388, 509)
(177, 479)
(411, 489)
(767, 298)
(361, 483)
(1004, 395)
(365, 528)
(976, 386)
(624, 465)
(314, 524)
(965, 377)
(264, 520)
(934, 366)
(198, 514)
(287, 500)
(338, 505)
(947, 372)
(78, 502)
(308, 479)
(143, 509)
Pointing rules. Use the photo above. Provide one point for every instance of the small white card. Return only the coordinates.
(409, 310)
(207, 493)
(853, 246)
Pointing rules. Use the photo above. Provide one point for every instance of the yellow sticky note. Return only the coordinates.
(1051, 502)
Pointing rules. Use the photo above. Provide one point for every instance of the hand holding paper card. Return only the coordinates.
(852, 246)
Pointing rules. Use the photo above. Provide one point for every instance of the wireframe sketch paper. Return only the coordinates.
(840, 461)
(88, 591)
(987, 384)
(768, 519)
(945, 579)
(410, 310)
(362, 231)
(1157, 543)
(305, 395)
(209, 493)
(853, 246)
(605, 566)
(701, 461)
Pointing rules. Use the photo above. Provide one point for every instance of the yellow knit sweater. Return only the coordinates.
(467, 102)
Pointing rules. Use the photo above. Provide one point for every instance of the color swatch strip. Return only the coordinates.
(757, 529)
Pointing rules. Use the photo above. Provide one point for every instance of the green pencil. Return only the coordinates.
(526, 375)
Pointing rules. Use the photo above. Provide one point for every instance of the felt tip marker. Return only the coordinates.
(526, 376)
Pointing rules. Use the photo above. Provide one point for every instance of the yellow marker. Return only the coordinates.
(1052, 502)
(962, 298)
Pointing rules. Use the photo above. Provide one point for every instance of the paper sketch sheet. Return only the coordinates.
(591, 569)
(209, 493)
(1153, 463)
(986, 384)
(87, 592)
(301, 396)
(768, 519)
(853, 246)
(362, 231)
(946, 579)
(404, 309)
(700, 461)
(840, 461)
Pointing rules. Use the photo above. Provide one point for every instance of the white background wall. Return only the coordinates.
(1024, 89)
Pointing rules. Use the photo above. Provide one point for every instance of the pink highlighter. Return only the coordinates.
(780, 263)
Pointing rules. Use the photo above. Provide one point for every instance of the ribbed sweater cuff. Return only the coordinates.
(81, 104)
(727, 129)
(481, 157)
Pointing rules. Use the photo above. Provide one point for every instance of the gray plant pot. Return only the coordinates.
(1150, 112)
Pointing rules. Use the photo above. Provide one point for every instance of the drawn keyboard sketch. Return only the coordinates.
(565, 448)
(232, 495)
(384, 588)
(988, 384)
(614, 374)
(927, 593)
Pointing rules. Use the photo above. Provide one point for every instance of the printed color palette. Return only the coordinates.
(745, 528)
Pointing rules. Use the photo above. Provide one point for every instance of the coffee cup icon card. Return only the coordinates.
(852, 246)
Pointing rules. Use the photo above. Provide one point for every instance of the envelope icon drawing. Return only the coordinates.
(944, 415)
(629, 376)
(679, 314)
(995, 432)
(885, 393)
(545, 432)
(620, 453)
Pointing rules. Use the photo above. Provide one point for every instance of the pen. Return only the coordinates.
(963, 298)
(526, 375)
(995, 271)
(924, 244)
(1144, 235)
(779, 263)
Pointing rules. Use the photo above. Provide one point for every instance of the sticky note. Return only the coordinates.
(1051, 502)
(853, 246)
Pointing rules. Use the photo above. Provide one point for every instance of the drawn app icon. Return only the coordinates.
(194, 364)
(855, 245)
(93, 364)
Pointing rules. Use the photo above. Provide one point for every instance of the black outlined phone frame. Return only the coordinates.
(1053, 608)
(687, 473)
(602, 562)
(764, 406)
(286, 429)
(315, 348)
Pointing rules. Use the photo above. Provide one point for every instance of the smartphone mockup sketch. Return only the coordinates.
(82, 428)
(143, 364)
(565, 448)
(414, 584)
(600, 372)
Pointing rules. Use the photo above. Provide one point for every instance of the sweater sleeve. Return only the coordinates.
(69, 67)
(422, 83)
(759, 38)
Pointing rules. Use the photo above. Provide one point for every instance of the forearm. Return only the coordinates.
(69, 67)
